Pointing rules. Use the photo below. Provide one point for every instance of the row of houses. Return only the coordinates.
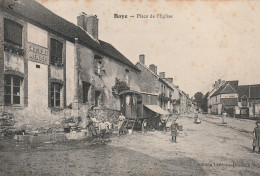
(237, 100)
(50, 67)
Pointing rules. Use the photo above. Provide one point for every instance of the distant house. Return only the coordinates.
(156, 92)
(249, 100)
(224, 97)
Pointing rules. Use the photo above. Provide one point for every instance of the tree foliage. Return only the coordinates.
(201, 100)
(119, 87)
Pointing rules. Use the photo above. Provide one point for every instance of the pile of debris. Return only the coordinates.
(7, 122)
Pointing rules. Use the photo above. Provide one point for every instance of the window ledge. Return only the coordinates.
(15, 106)
(56, 109)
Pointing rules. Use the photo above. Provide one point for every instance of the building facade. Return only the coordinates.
(50, 68)
(224, 97)
(248, 101)
(154, 88)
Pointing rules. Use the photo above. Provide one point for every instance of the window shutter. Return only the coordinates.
(96, 66)
(102, 97)
(92, 90)
(102, 73)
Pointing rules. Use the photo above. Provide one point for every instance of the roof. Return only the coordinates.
(254, 91)
(164, 82)
(250, 91)
(243, 91)
(40, 16)
(227, 87)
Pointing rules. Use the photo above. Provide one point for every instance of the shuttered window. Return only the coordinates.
(13, 32)
(56, 52)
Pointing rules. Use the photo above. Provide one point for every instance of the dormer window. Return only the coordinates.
(13, 32)
(56, 52)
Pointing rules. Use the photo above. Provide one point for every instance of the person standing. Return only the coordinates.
(144, 126)
(224, 115)
(174, 131)
(103, 128)
(121, 120)
(256, 140)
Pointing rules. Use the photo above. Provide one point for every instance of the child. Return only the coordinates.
(144, 125)
(102, 128)
(174, 132)
(256, 140)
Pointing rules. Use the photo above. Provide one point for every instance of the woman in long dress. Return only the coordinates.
(256, 140)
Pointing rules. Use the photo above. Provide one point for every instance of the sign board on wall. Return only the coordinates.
(38, 54)
(229, 96)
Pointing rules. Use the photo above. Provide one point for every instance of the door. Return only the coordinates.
(128, 109)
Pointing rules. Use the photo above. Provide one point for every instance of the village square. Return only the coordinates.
(73, 104)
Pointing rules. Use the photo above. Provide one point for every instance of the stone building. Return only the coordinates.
(50, 67)
(156, 92)
(248, 101)
(224, 97)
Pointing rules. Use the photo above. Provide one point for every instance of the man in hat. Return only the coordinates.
(256, 140)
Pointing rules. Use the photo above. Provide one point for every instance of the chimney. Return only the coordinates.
(142, 58)
(162, 75)
(156, 70)
(89, 23)
(215, 83)
(152, 67)
(177, 87)
(170, 80)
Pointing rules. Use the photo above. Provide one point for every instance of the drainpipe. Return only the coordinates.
(76, 76)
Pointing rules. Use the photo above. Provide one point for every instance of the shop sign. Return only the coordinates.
(229, 96)
(38, 54)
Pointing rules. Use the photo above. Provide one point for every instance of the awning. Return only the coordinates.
(157, 109)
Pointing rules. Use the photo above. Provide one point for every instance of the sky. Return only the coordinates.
(203, 41)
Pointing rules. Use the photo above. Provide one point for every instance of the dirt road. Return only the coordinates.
(201, 149)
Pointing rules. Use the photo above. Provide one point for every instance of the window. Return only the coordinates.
(13, 32)
(12, 90)
(244, 102)
(86, 87)
(56, 52)
(97, 65)
(127, 76)
(97, 95)
(55, 95)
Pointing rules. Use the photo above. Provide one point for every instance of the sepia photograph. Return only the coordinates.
(129, 87)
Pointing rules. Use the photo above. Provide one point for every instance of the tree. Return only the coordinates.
(198, 98)
(204, 105)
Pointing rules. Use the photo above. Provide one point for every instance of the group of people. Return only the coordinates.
(98, 129)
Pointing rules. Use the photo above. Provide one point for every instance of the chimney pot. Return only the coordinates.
(170, 80)
(152, 67)
(162, 74)
(89, 23)
(142, 58)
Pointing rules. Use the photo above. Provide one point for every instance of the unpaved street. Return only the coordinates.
(201, 149)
